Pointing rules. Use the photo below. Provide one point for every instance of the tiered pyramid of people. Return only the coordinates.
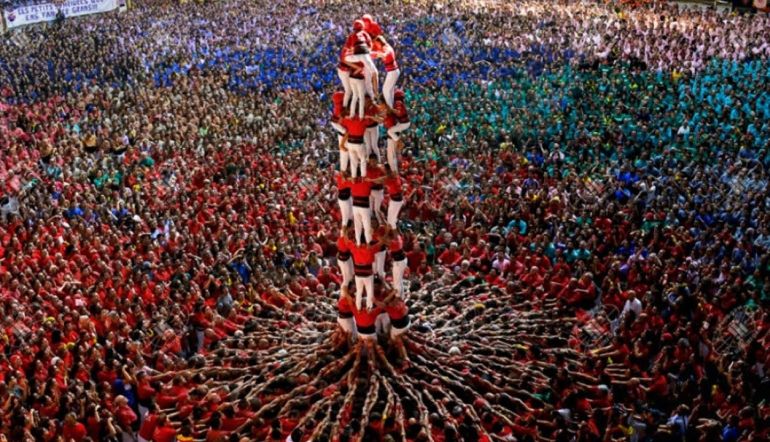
(369, 237)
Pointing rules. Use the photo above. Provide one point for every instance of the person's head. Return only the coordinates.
(186, 429)
(71, 419)
(358, 25)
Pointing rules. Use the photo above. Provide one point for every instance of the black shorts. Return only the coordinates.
(401, 323)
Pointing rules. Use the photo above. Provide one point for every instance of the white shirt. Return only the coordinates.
(634, 306)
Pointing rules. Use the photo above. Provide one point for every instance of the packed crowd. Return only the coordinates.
(595, 180)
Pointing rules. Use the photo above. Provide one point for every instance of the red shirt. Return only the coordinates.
(396, 249)
(125, 416)
(399, 115)
(450, 257)
(398, 310)
(149, 424)
(387, 54)
(374, 173)
(372, 28)
(659, 385)
(337, 99)
(361, 191)
(415, 260)
(393, 186)
(364, 317)
(396, 245)
(215, 435)
(231, 423)
(145, 391)
(399, 109)
(342, 182)
(360, 39)
(343, 187)
(344, 307)
(75, 432)
(327, 278)
(363, 255)
(343, 245)
(164, 434)
(379, 234)
(356, 128)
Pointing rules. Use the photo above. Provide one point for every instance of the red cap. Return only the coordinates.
(358, 25)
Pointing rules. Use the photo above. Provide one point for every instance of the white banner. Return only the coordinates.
(26, 15)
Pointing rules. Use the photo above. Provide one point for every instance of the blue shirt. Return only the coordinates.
(730, 434)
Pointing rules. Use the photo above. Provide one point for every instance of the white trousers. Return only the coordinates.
(365, 286)
(399, 267)
(379, 263)
(344, 160)
(393, 208)
(362, 220)
(382, 324)
(348, 325)
(357, 153)
(358, 100)
(370, 70)
(344, 156)
(366, 59)
(376, 201)
(346, 269)
(372, 141)
(389, 87)
(345, 80)
(368, 84)
(346, 210)
(393, 143)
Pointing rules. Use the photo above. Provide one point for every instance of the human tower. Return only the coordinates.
(370, 237)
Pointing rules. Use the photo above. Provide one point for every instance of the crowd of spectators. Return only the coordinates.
(166, 189)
